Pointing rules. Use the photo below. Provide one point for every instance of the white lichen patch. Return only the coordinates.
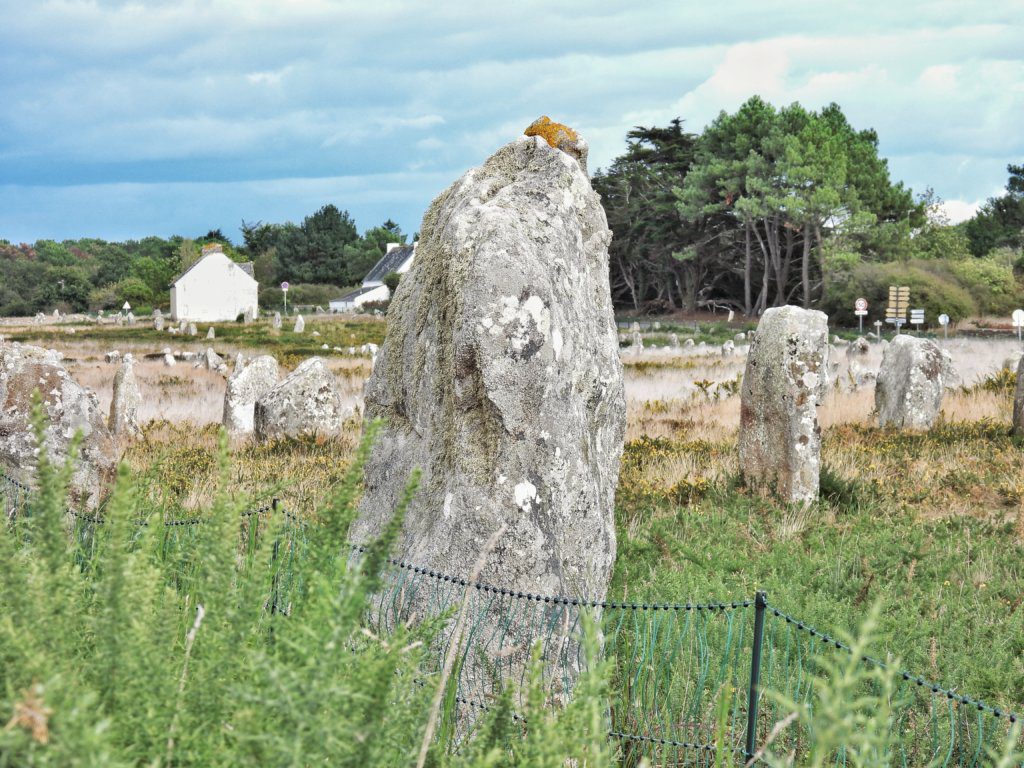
(525, 494)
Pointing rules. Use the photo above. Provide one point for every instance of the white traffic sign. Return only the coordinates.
(1018, 318)
(916, 316)
(860, 305)
(126, 306)
(943, 319)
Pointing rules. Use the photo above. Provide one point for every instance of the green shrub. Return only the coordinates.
(932, 287)
(991, 284)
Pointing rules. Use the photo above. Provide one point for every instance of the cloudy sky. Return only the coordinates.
(123, 119)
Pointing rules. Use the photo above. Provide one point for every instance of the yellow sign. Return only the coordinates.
(899, 303)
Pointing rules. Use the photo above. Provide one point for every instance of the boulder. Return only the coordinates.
(739, 337)
(300, 325)
(688, 343)
(212, 360)
(113, 356)
(1018, 401)
(245, 386)
(69, 408)
(306, 402)
(124, 404)
(908, 392)
(500, 379)
(858, 348)
(785, 380)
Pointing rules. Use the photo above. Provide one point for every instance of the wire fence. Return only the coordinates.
(678, 669)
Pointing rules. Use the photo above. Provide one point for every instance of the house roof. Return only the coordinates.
(352, 296)
(246, 266)
(392, 260)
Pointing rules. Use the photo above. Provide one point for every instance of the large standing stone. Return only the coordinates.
(69, 408)
(124, 405)
(306, 402)
(500, 379)
(246, 385)
(785, 380)
(908, 392)
(1018, 401)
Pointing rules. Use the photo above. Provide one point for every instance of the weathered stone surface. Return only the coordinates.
(124, 405)
(950, 376)
(636, 343)
(785, 380)
(212, 360)
(500, 379)
(69, 408)
(192, 329)
(728, 348)
(908, 392)
(245, 386)
(211, 334)
(277, 320)
(158, 321)
(306, 401)
(300, 325)
(1018, 401)
(113, 356)
(739, 337)
(673, 341)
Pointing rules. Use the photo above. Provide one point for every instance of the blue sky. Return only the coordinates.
(124, 119)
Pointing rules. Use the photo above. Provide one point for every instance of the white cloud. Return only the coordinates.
(960, 210)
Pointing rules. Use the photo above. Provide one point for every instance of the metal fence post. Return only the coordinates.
(760, 603)
(274, 581)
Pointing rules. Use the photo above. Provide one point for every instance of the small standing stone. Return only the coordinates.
(739, 337)
(785, 380)
(131, 318)
(169, 360)
(728, 348)
(673, 341)
(158, 320)
(113, 356)
(183, 326)
(300, 325)
(245, 386)
(277, 321)
(212, 360)
(192, 329)
(124, 405)
(858, 348)
(908, 392)
(210, 334)
(306, 401)
(636, 343)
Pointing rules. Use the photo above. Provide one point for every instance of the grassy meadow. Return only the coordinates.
(926, 526)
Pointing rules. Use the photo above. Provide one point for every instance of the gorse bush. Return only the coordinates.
(118, 655)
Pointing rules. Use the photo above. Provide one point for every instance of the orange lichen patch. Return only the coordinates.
(555, 134)
(560, 137)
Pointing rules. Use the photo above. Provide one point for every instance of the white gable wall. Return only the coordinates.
(214, 290)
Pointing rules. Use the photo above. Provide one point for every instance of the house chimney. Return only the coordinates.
(391, 247)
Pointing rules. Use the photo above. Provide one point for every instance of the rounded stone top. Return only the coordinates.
(560, 137)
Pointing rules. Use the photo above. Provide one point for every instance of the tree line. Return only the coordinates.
(321, 256)
(766, 206)
(772, 206)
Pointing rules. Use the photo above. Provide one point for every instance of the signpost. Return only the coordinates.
(899, 303)
(284, 290)
(917, 318)
(126, 308)
(860, 309)
(944, 322)
(1018, 321)
(878, 329)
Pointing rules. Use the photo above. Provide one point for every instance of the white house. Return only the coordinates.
(214, 289)
(398, 258)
